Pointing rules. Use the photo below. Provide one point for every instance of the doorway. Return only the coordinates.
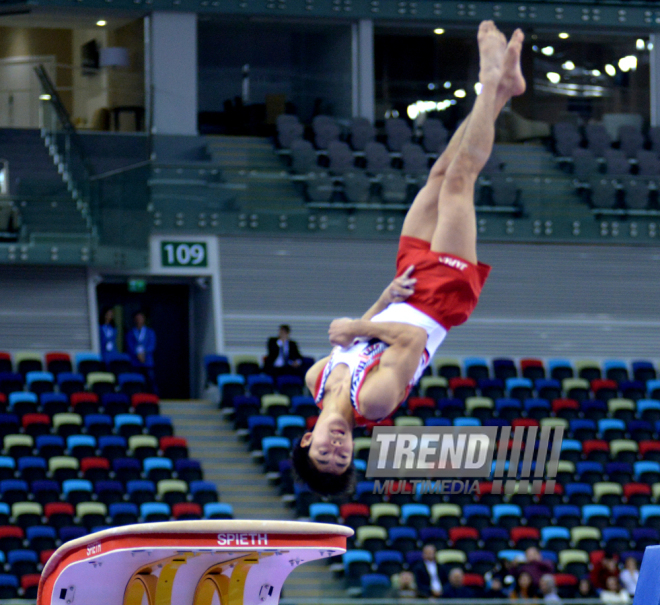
(167, 308)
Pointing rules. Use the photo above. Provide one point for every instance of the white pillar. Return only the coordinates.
(655, 79)
(171, 72)
(362, 75)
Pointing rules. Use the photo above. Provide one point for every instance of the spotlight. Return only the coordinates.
(101, 23)
(439, 31)
(564, 35)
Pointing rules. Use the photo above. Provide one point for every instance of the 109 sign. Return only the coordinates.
(183, 254)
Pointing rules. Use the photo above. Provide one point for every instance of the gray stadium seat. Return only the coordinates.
(630, 139)
(378, 160)
(319, 187)
(362, 133)
(357, 187)
(567, 138)
(604, 194)
(325, 130)
(289, 129)
(637, 194)
(597, 139)
(505, 190)
(648, 163)
(616, 162)
(341, 157)
(398, 133)
(434, 135)
(394, 188)
(414, 159)
(303, 156)
(654, 137)
(585, 164)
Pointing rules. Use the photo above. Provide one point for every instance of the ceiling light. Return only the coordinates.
(610, 70)
(595, 72)
(478, 87)
(564, 35)
(569, 65)
(649, 46)
(412, 111)
(439, 31)
(44, 97)
(431, 86)
(548, 51)
(628, 63)
(640, 44)
(460, 93)
(554, 77)
(101, 23)
(447, 84)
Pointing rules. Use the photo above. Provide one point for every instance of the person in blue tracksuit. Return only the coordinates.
(141, 344)
(108, 333)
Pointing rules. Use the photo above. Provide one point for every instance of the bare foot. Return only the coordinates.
(513, 83)
(492, 48)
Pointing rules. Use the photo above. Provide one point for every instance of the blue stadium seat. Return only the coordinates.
(567, 515)
(188, 469)
(616, 538)
(374, 585)
(645, 536)
(71, 532)
(510, 554)
(8, 585)
(416, 515)
(115, 403)
(615, 369)
(126, 469)
(22, 562)
(555, 538)
(611, 428)
(41, 537)
(388, 562)
(504, 368)
(519, 388)
(597, 515)
(290, 421)
(49, 445)
(477, 515)
(218, 510)
(626, 515)
(7, 467)
(467, 421)
(155, 511)
(157, 468)
(89, 362)
(128, 425)
(649, 409)
(475, 368)
(507, 407)
(215, 365)
(109, 491)
(77, 490)
(123, 513)
(113, 447)
(13, 490)
(98, 425)
(10, 382)
(560, 369)
(159, 426)
(491, 387)
(437, 422)
(643, 370)
(203, 492)
(324, 512)
(54, 403)
(21, 402)
(588, 471)
(649, 515)
(547, 388)
(647, 471)
(81, 446)
(40, 382)
(537, 408)
(140, 491)
(582, 429)
(403, 539)
(131, 382)
(481, 562)
(70, 382)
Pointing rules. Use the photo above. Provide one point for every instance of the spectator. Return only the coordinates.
(456, 590)
(605, 568)
(108, 332)
(141, 344)
(535, 566)
(549, 589)
(403, 586)
(427, 573)
(283, 354)
(524, 588)
(586, 590)
(495, 589)
(614, 593)
(630, 575)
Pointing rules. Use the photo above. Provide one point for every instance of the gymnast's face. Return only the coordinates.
(330, 445)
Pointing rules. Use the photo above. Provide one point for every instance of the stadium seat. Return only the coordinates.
(215, 365)
(504, 368)
(218, 510)
(187, 511)
(40, 382)
(98, 425)
(88, 403)
(145, 404)
(151, 512)
(532, 369)
(123, 513)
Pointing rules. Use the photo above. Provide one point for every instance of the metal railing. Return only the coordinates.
(65, 147)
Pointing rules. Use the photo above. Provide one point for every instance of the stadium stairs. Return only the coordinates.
(251, 164)
(42, 197)
(226, 462)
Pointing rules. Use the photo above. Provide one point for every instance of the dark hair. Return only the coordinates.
(104, 312)
(324, 484)
(286, 328)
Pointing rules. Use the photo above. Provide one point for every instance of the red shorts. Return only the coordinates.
(447, 287)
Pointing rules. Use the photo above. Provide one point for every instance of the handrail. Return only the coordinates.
(121, 170)
(63, 115)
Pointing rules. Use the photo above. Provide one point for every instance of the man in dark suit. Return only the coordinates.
(456, 589)
(427, 573)
(283, 354)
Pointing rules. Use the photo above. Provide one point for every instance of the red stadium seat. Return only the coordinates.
(36, 424)
(84, 403)
(415, 403)
(463, 387)
(569, 405)
(95, 468)
(473, 580)
(174, 447)
(145, 404)
(637, 494)
(532, 368)
(11, 537)
(186, 511)
(58, 362)
(649, 450)
(524, 422)
(44, 555)
(604, 389)
(529, 534)
(593, 447)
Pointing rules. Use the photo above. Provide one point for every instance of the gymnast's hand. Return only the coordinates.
(342, 332)
(400, 288)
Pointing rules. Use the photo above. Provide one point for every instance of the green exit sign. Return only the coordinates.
(137, 285)
(183, 254)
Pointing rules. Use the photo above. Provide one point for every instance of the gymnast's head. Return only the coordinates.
(323, 458)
